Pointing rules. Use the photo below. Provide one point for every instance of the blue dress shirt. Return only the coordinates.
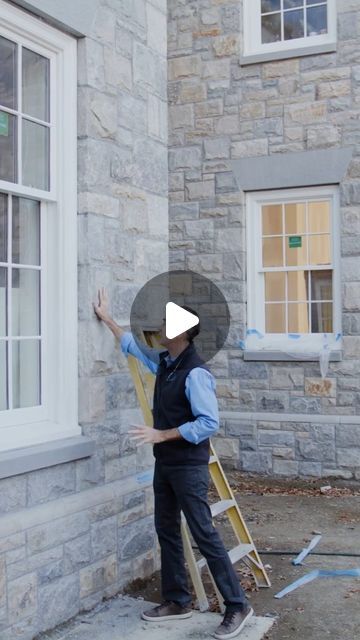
(200, 389)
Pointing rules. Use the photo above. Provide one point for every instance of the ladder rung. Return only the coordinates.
(221, 506)
(235, 554)
(212, 460)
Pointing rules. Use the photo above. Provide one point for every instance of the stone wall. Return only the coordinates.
(286, 419)
(76, 532)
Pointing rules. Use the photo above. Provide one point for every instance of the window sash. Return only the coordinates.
(256, 272)
(253, 44)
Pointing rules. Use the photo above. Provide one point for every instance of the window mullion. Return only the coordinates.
(9, 305)
(20, 120)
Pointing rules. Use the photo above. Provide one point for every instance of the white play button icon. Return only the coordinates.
(178, 320)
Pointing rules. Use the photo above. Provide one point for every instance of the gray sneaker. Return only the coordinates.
(232, 623)
(167, 611)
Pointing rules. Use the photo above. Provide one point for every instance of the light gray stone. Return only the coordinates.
(12, 494)
(50, 484)
(58, 601)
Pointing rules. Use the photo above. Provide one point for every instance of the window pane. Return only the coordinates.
(321, 285)
(273, 252)
(26, 373)
(296, 251)
(319, 217)
(298, 318)
(8, 155)
(272, 220)
(26, 231)
(3, 301)
(275, 318)
(275, 286)
(8, 52)
(295, 218)
(291, 4)
(298, 289)
(35, 155)
(3, 228)
(270, 5)
(25, 302)
(271, 28)
(316, 21)
(321, 317)
(3, 376)
(293, 24)
(35, 85)
(320, 251)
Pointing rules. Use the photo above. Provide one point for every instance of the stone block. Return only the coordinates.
(36, 563)
(91, 70)
(289, 468)
(185, 158)
(205, 264)
(151, 166)
(322, 137)
(252, 110)
(149, 70)
(256, 462)
(181, 116)
(57, 532)
(184, 211)
(226, 45)
(97, 576)
(351, 296)
(214, 107)
(217, 148)
(268, 127)
(77, 553)
(234, 265)
(200, 190)
(50, 484)
(334, 89)
(323, 387)
(310, 469)
(272, 401)
(2, 583)
(191, 91)
(248, 370)
(103, 537)
(216, 70)
(305, 113)
(184, 67)
(305, 405)
(97, 114)
(347, 435)
(118, 71)
(227, 449)
(285, 453)
(12, 494)
(280, 68)
(91, 399)
(271, 438)
(58, 602)
(136, 538)
(348, 457)
(156, 29)
(22, 597)
(286, 378)
(132, 113)
(227, 239)
(227, 125)
(250, 148)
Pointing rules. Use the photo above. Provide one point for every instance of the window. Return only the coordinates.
(293, 268)
(284, 28)
(38, 398)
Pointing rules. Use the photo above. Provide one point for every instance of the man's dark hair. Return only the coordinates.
(194, 331)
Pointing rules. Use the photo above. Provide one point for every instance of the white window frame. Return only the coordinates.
(57, 417)
(255, 51)
(257, 339)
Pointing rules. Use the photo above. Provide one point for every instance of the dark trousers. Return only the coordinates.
(184, 488)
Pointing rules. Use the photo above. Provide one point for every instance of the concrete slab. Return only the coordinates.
(119, 619)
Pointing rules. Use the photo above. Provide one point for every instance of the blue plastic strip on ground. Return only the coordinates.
(318, 573)
(306, 551)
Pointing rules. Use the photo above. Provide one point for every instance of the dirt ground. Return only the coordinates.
(283, 516)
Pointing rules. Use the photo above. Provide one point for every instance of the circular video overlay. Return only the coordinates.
(151, 309)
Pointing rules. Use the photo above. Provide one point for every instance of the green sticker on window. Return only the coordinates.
(295, 242)
(4, 123)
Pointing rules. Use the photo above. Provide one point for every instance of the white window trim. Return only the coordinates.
(311, 344)
(254, 51)
(58, 417)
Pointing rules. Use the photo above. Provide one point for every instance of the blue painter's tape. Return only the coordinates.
(242, 345)
(146, 477)
(254, 332)
(294, 336)
(318, 573)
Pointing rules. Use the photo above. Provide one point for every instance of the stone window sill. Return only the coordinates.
(286, 54)
(280, 356)
(49, 454)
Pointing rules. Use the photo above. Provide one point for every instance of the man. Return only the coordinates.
(185, 416)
